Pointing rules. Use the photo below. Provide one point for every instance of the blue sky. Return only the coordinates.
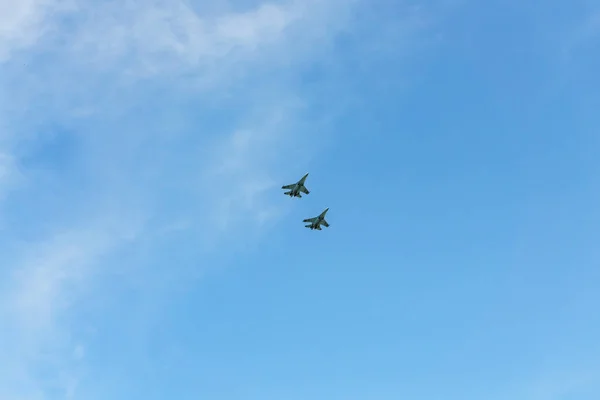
(146, 250)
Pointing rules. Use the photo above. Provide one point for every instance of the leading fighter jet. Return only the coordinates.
(295, 188)
(316, 222)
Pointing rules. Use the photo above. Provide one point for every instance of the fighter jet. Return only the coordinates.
(295, 188)
(316, 222)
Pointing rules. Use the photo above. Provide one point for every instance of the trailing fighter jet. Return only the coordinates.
(296, 188)
(316, 222)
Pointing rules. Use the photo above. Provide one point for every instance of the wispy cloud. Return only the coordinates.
(125, 121)
(46, 281)
(23, 23)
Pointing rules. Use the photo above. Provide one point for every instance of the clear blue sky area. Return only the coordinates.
(148, 252)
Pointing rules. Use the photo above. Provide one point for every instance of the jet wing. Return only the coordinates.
(311, 220)
(304, 190)
(325, 224)
(289, 186)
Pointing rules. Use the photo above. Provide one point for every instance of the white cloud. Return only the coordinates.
(150, 37)
(45, 282)
(22, 23)
(53, 271)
